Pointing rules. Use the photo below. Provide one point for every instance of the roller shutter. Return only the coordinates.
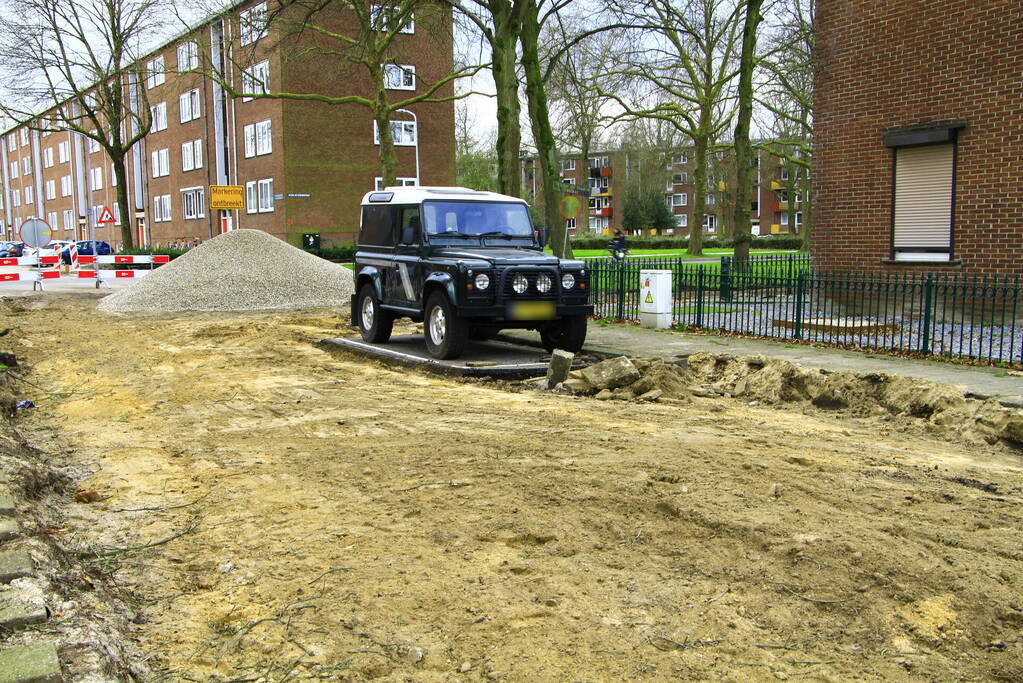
(923, 202)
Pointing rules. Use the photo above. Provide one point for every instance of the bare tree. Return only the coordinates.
(74, 65)
(787, 100)
(743, 154)
(686, 56)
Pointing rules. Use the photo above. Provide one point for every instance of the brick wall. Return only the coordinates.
(884, 65)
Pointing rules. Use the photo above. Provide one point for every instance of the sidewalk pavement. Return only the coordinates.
(630, 340)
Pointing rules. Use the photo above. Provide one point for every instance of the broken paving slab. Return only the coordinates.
(9, 528)
(16, 614)
(31, 664)
(15, 564)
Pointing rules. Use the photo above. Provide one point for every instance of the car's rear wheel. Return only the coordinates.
(446, 333)
(375, 324)
(567, 334)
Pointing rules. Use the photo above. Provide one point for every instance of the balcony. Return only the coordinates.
(600, 171)
(775, 185)
(606, 211)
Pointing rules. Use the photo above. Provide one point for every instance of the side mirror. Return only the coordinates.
(541, 237)
(408, 235)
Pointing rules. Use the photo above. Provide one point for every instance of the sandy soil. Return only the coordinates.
(316, 516)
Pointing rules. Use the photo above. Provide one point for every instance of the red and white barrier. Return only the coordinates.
(125, 260)
(30, 261)
(100, 276)
(35, 277)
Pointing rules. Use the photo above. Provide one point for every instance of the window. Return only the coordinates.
(26, 165)
(93, 145)
(191, 155)
(682, 220)
(785, 218)
(680, 178)
(64, 152)
(65, 186)
(258, 139)
(568, 164)
(69, 219)
(922, 217)
(188, 56)
(113, 177)
(30, 195)
(399, 77)
(51, 219)
(680, 159)
(51, 189)
(256, 79)
(161, 208)
(48, 157)
(711, 200)
(155, 72)
(12, 142)
(193, 204)
(158, 113)
(188, 103)
(253, 24)
(378, 182)
(382, 18)
(377, 226)
(679, 199)
(96, 178)
(710, 222)
(14, 169)
(599, 184)
(117, 213)
(403, 132)
(259, 196)
(597, 162)
(24, 136)
(569, 224)
(160, 163)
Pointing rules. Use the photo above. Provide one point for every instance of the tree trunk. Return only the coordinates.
(506, 83)
(127, 216)
(807, 209)
(743, 151)
(543, 133)
(699, 194)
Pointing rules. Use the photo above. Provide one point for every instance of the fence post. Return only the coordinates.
(726, 279)
(925, 333)
(621, 289)
(800, 289)
(699, 296)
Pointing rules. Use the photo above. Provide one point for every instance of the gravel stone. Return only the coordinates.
(241, 270)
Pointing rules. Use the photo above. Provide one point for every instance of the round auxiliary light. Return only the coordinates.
(543, 283)
(482, 281)
(568, 281)
(520, 284)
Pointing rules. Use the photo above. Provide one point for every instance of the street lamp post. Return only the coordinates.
(415, 121)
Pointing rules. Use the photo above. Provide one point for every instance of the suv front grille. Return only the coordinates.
(508, 277)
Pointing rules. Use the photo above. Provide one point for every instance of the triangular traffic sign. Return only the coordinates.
(106, 216)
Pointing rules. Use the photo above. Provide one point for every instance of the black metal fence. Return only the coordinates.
(977, 318)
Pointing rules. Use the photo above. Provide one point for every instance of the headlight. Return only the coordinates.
(568, 281)
(482, 281)
(543, 283)
(520, 284)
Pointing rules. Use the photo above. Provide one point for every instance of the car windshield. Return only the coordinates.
(475, 219)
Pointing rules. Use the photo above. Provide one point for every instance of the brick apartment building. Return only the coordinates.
(775, 206)
(918, 131)
(304, 165)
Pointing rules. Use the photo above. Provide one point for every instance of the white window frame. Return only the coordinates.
(24, 136)
(191, 155)
(784, 218)
(404, 128)
(30, 196)
(48, 157)
(258, 138)
(68, 219)
(569, 224)
(189, 106)
(160, 163)
(51, 189)
(397, 76)
(96, 178)
(14, 170)
(568, 164)
(113, 177)
(188, 55)
(378, 182)
(161, 208)
(193, 203)
(12, 142)
(158, 114)
(252, 24)
(155, 72)
(256, 79)
(64, 152)
(251, 197)
(682, 220)
(266, 191)
(680, 199)
(680, 159)
(26, 166)
(375, 16)
(65, 186)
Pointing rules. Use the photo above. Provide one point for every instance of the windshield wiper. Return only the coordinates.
(454, 234)
(498, 233)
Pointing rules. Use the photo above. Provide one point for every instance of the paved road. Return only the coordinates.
(636, 341)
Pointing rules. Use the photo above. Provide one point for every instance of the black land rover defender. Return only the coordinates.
(466, 264)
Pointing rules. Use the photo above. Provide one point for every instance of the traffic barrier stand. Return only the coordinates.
(101, 276)
(36, 277)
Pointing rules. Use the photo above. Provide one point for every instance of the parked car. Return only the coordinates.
(465, 263)
(94, 248)
(12, 249)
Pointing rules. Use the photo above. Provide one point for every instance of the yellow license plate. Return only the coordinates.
(531, 310)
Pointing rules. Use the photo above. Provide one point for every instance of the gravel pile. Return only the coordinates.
(242, 270)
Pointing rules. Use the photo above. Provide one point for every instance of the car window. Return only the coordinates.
(477, 218)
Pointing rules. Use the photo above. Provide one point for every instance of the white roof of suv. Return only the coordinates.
(416, 194)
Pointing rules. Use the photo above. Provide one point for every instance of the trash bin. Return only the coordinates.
(655, 299)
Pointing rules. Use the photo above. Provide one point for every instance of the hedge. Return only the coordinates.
(667, 242)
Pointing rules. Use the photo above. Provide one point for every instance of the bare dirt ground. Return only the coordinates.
(316, 516)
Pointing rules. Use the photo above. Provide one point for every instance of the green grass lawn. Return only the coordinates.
(677, 253)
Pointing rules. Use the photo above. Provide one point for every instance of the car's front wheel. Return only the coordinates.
(567, 334)
(446, 333)
(374, 323)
